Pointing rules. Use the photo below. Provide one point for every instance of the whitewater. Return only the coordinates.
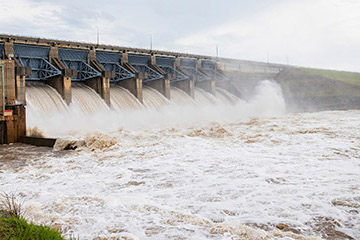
(250, 170)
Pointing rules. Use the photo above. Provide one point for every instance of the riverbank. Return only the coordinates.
(17, 227)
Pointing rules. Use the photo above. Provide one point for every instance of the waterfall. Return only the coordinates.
(87, 100)
(121, 99)
(153, 98)
(180, 97)
(226, 97)
(204, 98)
(44, 100)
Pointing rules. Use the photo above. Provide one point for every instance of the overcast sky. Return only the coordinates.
(316, 33)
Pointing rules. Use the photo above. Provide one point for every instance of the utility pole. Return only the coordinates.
(151, 42)
(217, 56)
(97, 36)
(217, 52)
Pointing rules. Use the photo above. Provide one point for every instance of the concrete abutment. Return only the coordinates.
(12, 113)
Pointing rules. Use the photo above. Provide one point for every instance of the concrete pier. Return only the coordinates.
(100, 84)
(134, 85)
(20, 74)
(162, 85)
(186, 85)
(208, 85)
(62, 83)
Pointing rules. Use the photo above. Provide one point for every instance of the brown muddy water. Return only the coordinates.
(249, 171)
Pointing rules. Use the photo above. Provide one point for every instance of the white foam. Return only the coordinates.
(198, 173)
(201, 182)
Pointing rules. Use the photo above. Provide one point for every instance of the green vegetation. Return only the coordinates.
(13, 226)
(349, 77)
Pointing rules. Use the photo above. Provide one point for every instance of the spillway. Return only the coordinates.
(153, 98)
(226, 97)
(43, 99)
(87, 100)
(180, 97)
(121, 99)
(204, 98)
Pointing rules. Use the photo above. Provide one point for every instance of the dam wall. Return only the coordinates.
(77, 70)
(62, 63)
(112, 75)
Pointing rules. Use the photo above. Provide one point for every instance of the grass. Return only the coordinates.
(13, 226)
(349, 77)
(11, 205)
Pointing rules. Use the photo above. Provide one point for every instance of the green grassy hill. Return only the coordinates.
(348, 77)
(307, 89)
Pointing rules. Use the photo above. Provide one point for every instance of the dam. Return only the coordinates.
(176, 146)
(50, 75)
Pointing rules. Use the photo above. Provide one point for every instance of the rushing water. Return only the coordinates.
(204, 98)
(44, 99)
(153, 98)
(243, 171)
(121, 99)
(226, 97)
(180, 97)
(87, 100)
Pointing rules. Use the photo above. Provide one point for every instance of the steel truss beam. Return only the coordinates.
(190, 66)
(120, 72)
(152, 75)
(219, 76)
(41, 69)
(199, 76)
(36, 57)
(175, 74)
(210, 68)
(77, 59)
(110, 61)
(84, 70)
(140, 63)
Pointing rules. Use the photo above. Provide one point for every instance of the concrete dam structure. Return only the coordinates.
(52, 74)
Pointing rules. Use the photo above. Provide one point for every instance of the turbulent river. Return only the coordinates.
(244, 171)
